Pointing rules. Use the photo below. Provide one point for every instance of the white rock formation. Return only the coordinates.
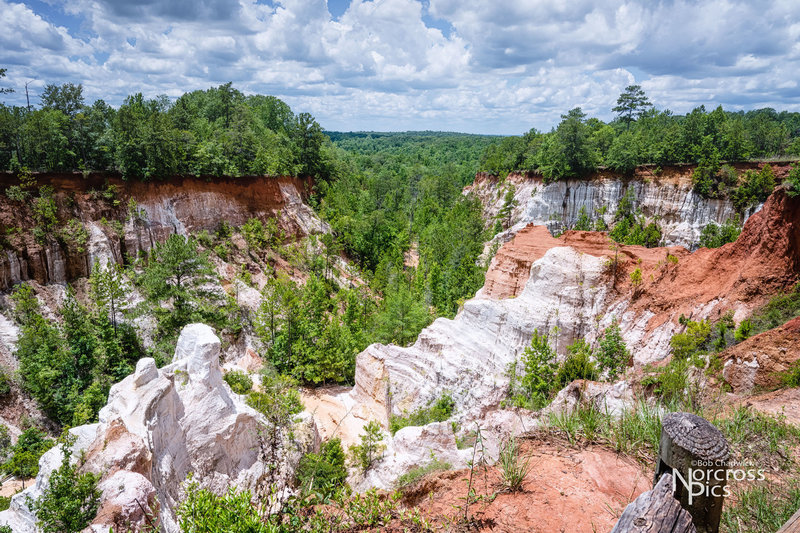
(161, 425)
(681, 213)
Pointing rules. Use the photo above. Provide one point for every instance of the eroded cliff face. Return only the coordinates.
(571, 287)
(136, 216)
(666, 197)
(160, 425)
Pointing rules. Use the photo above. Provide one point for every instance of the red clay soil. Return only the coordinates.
(567, 489)
(764, 260)
(775, 350)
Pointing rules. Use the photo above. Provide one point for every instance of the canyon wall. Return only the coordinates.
(134, 216)
(665, 196)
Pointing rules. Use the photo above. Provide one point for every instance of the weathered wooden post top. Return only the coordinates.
(696, 454)
(689, 483)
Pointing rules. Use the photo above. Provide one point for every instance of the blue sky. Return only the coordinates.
(459, 65)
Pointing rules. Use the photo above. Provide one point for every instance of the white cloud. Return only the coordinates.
(500, 67)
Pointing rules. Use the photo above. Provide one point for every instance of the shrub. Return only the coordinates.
(71, 499)
(25, 454)
(238, 381)
(671, 382)
(694, 340)
(577, 365)
(370, 450)
(538, 374)
(744, 331)
(438, 411)
(5, 383)
(202, 511)
(323, 472)
(791, 377)
(636, 277)
(612, 354)
(714, 236)
(792, 181)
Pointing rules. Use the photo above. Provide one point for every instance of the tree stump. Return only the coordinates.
(696, 454)
(655, 511)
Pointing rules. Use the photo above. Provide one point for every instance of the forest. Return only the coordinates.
(642, 134)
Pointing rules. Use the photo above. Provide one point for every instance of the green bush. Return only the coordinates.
(202, 511)
(670, 382)
(744, 330)
(714, 236)
(370, 450)
(612, 354)
(694, 340)
(24, 455)
(532, 385)
(437, 411)
(577, 365)
(323, 472)
(238, 381)
(71, 499)
(792, 181)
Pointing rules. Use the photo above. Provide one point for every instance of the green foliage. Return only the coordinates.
(744, 330)
(5, 383)
(754, 188)
(636, 277)
(419, 472)
(779, 310)
(531, 385)
(670, 382)
(514, 466)
(630, 227)
(437, 411)
(238, 381)
(69, 367)
(71, 499)
(278, 399)
(631, 104)
(612, 355)
(692, 341)
(761, 508)
(259, 235)
(791, 377)
(314, 331)
(175, 280)
(23, 457)
(792, 181)
(714, 236)
(370, 449)
(324, 472)
(202, 511)
(577, 365)
(584, 223)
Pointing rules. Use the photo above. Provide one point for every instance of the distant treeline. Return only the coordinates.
(219, 131)
(641, 135)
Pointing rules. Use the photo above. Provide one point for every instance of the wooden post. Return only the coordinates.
(696, 454)
(655, 511)
(793, 525)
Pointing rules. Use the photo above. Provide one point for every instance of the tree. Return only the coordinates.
(631, 104)
(533, 387)
(612, 354)
(176, 272)
(71, 499)
(370, 450)
(67, 98)
(108, 290)
(4, 90)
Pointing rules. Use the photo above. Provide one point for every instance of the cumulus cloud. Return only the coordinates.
(494, 67)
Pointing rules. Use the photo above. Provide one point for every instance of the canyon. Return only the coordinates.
(161, 424)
